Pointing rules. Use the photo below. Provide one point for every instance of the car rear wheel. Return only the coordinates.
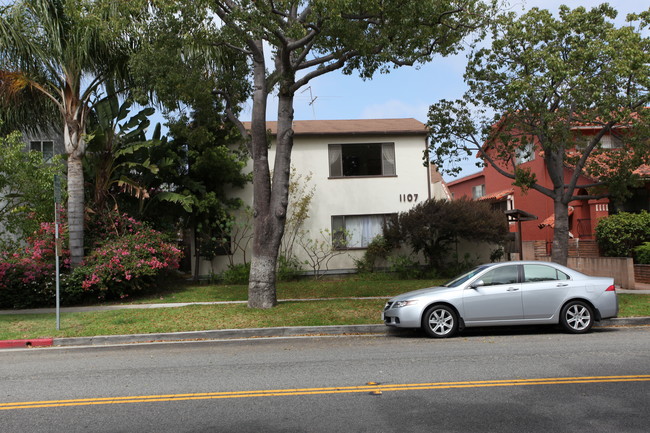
(440, 321)
(577, 317)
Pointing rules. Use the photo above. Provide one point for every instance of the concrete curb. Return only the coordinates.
(223, 334)
(35, 342)
(252, 333)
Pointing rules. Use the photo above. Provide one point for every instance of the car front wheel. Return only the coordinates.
(440, 321)
(577, 317)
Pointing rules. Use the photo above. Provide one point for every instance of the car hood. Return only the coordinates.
(423, 293)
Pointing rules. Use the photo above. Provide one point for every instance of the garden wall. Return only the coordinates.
(642, 274)
(622, 269)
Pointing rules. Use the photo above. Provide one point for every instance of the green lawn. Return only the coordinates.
(204, 317)
(305, 289)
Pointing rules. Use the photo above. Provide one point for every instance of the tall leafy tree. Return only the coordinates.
(59, 53)
(544, 75)
(287, 44)
(27, 190)
(179, 66)
(197, 188)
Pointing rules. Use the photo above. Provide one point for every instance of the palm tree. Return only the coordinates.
(61, 53)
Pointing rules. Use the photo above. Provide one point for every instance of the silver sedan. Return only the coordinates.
(510, 293)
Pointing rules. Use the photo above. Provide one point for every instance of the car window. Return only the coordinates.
(501, 275)
(464, 277)
(537, 273)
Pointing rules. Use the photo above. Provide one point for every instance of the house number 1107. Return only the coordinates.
(408, 198)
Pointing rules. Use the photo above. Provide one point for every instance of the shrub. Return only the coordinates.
(236, 274)
(459, 266)
(405, 267)
(27, 275)
(378, 249)
(127, 264)
(433, 226)
(617, 235)
(128, 258)
(642, 254)
(289, 269)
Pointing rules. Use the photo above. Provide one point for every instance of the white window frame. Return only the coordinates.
(610, 141)
(357, 231)
(478, 191)
(336, 153)
(526, 154)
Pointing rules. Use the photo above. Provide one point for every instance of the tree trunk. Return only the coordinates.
(555, 166)
(75, 147)
(76, 209)
(270, 198)
(560, 251)
(261, 286)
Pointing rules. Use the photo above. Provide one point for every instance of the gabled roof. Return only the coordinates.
(498, 195)
(466, 178)
(550, 221)
(353, 127)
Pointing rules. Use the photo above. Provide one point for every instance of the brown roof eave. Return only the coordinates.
(359, 134)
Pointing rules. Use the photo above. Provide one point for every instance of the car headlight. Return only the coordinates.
(400, 304)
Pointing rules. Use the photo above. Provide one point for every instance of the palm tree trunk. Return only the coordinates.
(76, 209)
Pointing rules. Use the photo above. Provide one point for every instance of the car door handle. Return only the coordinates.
(562, 284)
(513, 289)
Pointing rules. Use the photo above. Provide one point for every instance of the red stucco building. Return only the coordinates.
(490, 185)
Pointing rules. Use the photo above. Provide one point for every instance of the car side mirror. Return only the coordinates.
(477, 284)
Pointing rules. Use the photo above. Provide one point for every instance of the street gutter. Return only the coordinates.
(251, 333)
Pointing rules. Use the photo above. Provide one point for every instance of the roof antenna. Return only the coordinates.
(312, 99)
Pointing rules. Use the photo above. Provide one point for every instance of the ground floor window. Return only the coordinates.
(46, 148)
(356, 231)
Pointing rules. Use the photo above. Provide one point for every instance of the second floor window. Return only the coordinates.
(44, 147)
(610, 142)
(526, 154)
(365, 159)
(478, 191)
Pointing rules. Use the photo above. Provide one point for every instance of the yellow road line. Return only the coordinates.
(320, 391)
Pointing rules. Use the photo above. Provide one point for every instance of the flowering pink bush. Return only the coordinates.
(27, 275)
(129, 259)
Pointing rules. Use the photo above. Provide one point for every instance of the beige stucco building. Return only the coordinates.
(360, 171)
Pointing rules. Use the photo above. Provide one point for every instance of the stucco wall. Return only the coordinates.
(619, 268)
(477, 252)
(348, 196)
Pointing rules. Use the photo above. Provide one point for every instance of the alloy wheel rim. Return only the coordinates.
(578, 317)
(441, 322)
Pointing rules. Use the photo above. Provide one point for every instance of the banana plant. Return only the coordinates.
(118, 156)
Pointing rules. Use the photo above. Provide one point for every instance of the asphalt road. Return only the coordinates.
(501, 380)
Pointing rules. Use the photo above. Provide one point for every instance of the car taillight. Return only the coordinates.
(611, 288)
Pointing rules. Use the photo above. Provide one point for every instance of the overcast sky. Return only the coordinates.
(407, 92)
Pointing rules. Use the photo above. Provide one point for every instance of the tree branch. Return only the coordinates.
(235, 119)
(340, 63)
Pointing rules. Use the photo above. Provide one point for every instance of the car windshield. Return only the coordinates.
(464, 277)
